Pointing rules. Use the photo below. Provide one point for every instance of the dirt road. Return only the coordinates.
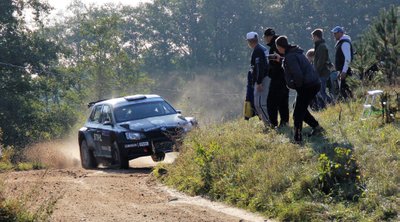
(114, 195)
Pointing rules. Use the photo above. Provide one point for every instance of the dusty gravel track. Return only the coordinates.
(114, 195)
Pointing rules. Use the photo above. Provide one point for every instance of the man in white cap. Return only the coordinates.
(261, 81)
(343, 57)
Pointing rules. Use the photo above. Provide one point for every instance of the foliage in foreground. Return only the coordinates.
(17, 208)
(11, 160)
(352, 173)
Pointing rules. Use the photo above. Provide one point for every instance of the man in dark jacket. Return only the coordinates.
(278, 96)
(301, 76)
(321, 63)
(259, 64)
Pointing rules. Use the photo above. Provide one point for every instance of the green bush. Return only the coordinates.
(11, 211)
(338, 174)
(29, 166)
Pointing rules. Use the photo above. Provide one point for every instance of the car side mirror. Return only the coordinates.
(179, 111)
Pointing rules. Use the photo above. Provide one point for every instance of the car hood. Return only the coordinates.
(152, 123)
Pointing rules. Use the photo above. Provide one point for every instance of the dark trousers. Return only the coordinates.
(304, 97)
(278, 101)
(345, 92)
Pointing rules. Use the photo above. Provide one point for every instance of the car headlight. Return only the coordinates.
(134, 136)
(187, 127)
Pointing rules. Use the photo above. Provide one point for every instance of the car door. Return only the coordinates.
(106, 127)
(93, 129)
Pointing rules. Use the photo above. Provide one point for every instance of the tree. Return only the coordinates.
(379, 45)
(26, 56)
(101, 54)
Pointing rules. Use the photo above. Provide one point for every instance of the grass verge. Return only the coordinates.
(350, 173)
(17, 208)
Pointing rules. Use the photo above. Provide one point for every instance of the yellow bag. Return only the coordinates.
(248, 110)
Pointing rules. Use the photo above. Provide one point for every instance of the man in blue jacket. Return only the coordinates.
(261, 81)
(301, 76)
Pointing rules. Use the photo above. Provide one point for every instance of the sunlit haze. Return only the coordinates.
(61, 5)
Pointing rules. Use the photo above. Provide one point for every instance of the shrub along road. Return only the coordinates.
(112, 195)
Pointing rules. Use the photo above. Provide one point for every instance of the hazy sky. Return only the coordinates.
(60, 5)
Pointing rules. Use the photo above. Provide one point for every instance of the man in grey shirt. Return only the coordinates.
(343, 56)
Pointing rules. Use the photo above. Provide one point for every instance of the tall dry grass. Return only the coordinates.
(351, 173)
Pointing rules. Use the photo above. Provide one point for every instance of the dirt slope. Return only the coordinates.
(114, 195)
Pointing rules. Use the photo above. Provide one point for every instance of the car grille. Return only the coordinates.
(171, 133)
(163, 146)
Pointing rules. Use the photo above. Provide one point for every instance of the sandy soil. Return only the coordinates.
(109, 195)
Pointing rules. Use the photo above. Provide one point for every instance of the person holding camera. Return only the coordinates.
(278, 96)
(301, 76)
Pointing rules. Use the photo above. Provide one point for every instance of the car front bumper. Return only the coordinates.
(146, 148)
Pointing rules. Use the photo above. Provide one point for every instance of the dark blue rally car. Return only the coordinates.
(125, 128)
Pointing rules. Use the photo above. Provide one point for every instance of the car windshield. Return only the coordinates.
(142, 110)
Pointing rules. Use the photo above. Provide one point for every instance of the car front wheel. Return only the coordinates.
(88, 160)
(118, 157)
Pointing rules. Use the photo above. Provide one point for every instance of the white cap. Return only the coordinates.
(251, 35)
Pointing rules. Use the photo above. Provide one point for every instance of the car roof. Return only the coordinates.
(138, 98)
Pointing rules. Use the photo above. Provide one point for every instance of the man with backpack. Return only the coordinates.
(343, 57)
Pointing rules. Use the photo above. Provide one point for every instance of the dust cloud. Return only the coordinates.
(211, 99)
(56, 154)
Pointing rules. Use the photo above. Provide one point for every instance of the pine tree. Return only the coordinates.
(380, 44)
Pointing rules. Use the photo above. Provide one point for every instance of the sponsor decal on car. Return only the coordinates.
(133, 145)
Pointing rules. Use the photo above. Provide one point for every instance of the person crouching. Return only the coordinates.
(300, 76)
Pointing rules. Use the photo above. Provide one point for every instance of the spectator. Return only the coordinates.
(321, 63)
(317, 102)
(343, 57)
(261, 81)
(310, 54)
(301, 76)
(249, 109)
(278, 96)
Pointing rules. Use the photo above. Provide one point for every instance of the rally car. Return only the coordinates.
(122, 129)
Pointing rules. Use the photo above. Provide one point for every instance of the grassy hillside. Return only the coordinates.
(351, 173)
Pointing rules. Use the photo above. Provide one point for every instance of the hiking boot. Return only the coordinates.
(318, 130)
(283, 124)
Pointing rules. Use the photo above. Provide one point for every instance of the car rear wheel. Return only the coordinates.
(88, 160)
(118, 158)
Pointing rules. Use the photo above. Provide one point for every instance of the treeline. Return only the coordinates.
(49, 70)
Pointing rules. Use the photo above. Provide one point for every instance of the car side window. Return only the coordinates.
(167, 109)
(106, 114)
(96, 113)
